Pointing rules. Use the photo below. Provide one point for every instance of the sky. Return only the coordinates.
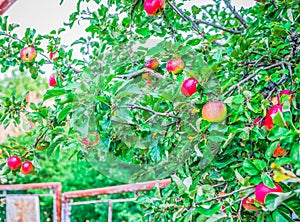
(47, 15)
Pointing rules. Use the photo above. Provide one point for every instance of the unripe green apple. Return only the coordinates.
(214, 112)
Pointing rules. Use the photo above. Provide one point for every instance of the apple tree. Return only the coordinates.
(207, 95)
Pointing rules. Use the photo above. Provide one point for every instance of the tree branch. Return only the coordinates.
(150, 110)
(170, 25)
(132, 10)
(136, 73)
(186, 18)
(40, 138)
(199, 21)
(234, 12)
(225, 195)
(233, 87)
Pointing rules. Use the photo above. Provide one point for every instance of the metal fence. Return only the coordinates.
(62, 203)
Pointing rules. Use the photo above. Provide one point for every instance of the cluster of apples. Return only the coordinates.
(28, 54)
(174, 66)
(214, 111)
(15, 163)
(267, 121)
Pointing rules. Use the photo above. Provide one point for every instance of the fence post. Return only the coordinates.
(110, 208)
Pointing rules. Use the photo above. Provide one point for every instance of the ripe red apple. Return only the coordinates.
(268, 122)
(14, 162)
(154, 7)
(28, 54)
(95, 140)
(290, 93)
(273, 110)
(53, 56)
(214, 111)
(248, 204)
(261, 191)
(279, 152)
(52, 80)
(27, 168)
(260, 0)
(152, 64)
(189, 86)
(175, 66)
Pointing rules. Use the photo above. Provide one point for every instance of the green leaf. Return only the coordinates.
(273, 200)
(250, 168)
(281, 216)
(64, 112)
(277, 132)
(53, 93)
(154, 152)
(295, 152)
(266, 179)
(208, 211)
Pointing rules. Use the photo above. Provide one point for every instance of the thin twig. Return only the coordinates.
(150, 110)
(234, 12)
(233, 87)
(226, 195)
(132, 10)
(199, 21)
(185, 17)
(40, 138)
(289, 65)
(139, 72)
(170, 25)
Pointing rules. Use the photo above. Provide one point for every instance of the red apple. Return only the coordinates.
(27, 168)
(290, 93)
(154, 7)
(273, 110)
(248, 204)
(152, 64)
(261, 191)
(28, 54)
(53, 56)
(260, 0)
(146, 76)
(95, 138)
(268, 122)
(14, 162)
(175, 66)
(279, 152)
(189, 86)
(214, 111)
(52, 80)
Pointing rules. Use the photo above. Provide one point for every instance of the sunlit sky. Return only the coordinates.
(47, 15)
